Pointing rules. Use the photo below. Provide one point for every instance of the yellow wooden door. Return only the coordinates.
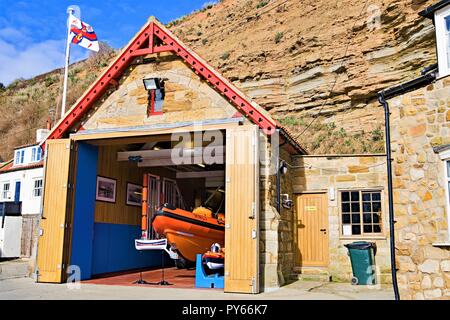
(312, 230)
(241, 211)
(54, 222)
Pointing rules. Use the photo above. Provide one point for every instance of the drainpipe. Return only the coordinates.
(279, 175)
(383, 102)
(278, 187)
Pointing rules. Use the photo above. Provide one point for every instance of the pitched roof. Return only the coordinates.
(26, 145)
(3, 164)
(10, 167)
(144, 43)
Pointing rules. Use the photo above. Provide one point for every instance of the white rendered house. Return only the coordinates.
(21, 181)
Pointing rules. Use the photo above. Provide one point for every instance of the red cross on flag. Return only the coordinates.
(82, 34)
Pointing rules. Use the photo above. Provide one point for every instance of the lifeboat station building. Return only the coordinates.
(161, 126)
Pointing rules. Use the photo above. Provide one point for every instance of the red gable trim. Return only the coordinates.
(143, 44)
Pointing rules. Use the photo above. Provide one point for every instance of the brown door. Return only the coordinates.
(312, 230)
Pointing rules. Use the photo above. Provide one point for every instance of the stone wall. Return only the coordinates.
(319, 174)
(187, 97)
(421, 121)
(276, 235)
(30, 234)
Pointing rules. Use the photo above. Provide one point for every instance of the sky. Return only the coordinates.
(33, 33)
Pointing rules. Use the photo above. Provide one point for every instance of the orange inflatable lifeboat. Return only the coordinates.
(189, 233)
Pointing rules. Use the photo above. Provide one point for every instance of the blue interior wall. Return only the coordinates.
(101, 247)
(84, 209)
(114, 249)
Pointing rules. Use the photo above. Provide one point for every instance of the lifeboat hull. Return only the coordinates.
(188, 233)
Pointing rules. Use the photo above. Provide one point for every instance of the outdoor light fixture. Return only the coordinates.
(156, 93)
(283, 167)
(152, 84)
(286, 202)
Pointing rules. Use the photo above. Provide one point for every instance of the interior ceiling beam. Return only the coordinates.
(200, 174)
(131, 140)
(167, 162)
(166, 154)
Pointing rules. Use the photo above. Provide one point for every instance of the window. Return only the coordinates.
(442, 21)
(445, 157)
(36, 154)
(448, 179)
(20, 157)
(5, 191)
(361, 213)
(156, 94)
(37, 188)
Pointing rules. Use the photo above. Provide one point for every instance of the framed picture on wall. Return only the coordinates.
(134, 195)
(106, 189)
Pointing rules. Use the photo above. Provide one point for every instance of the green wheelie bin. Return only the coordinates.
(362, 256)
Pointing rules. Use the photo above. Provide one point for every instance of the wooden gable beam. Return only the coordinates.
(138, 47)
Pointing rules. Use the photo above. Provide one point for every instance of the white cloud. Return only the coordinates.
(209, 3)
(21, 58)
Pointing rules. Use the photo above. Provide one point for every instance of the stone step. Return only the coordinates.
(310, 277)
(311, 274)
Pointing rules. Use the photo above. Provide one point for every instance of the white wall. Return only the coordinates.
(30, 203)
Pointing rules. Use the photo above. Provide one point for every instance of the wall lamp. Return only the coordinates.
(152, 84)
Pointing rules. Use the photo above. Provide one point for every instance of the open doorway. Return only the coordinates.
(142, 193)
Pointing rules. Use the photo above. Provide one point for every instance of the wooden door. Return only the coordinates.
(52, 250)
(241, 211)
(312, 230)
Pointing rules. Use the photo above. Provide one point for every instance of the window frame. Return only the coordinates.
(445, 157)
(447, 177)
(380, 235)
(442, 46)
(41, 188)
(36, 154)
(19, 156)
(3, 189)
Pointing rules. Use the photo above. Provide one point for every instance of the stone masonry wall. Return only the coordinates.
(187, 97)
(319, 174)
(276, 235)
(420, 121)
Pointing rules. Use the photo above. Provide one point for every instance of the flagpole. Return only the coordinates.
(70, 11)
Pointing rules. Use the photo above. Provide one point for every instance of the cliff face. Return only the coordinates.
(287, 55)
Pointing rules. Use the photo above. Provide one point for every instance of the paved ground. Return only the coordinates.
(14, 284)
(26, 288)
(13, 269)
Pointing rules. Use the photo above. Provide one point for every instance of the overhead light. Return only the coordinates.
(151, 84)
(201, 165)
(156, 148)
(135, 159)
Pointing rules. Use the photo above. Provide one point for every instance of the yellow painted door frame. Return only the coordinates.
(242, 210)
(55, 224)
(312, 230)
